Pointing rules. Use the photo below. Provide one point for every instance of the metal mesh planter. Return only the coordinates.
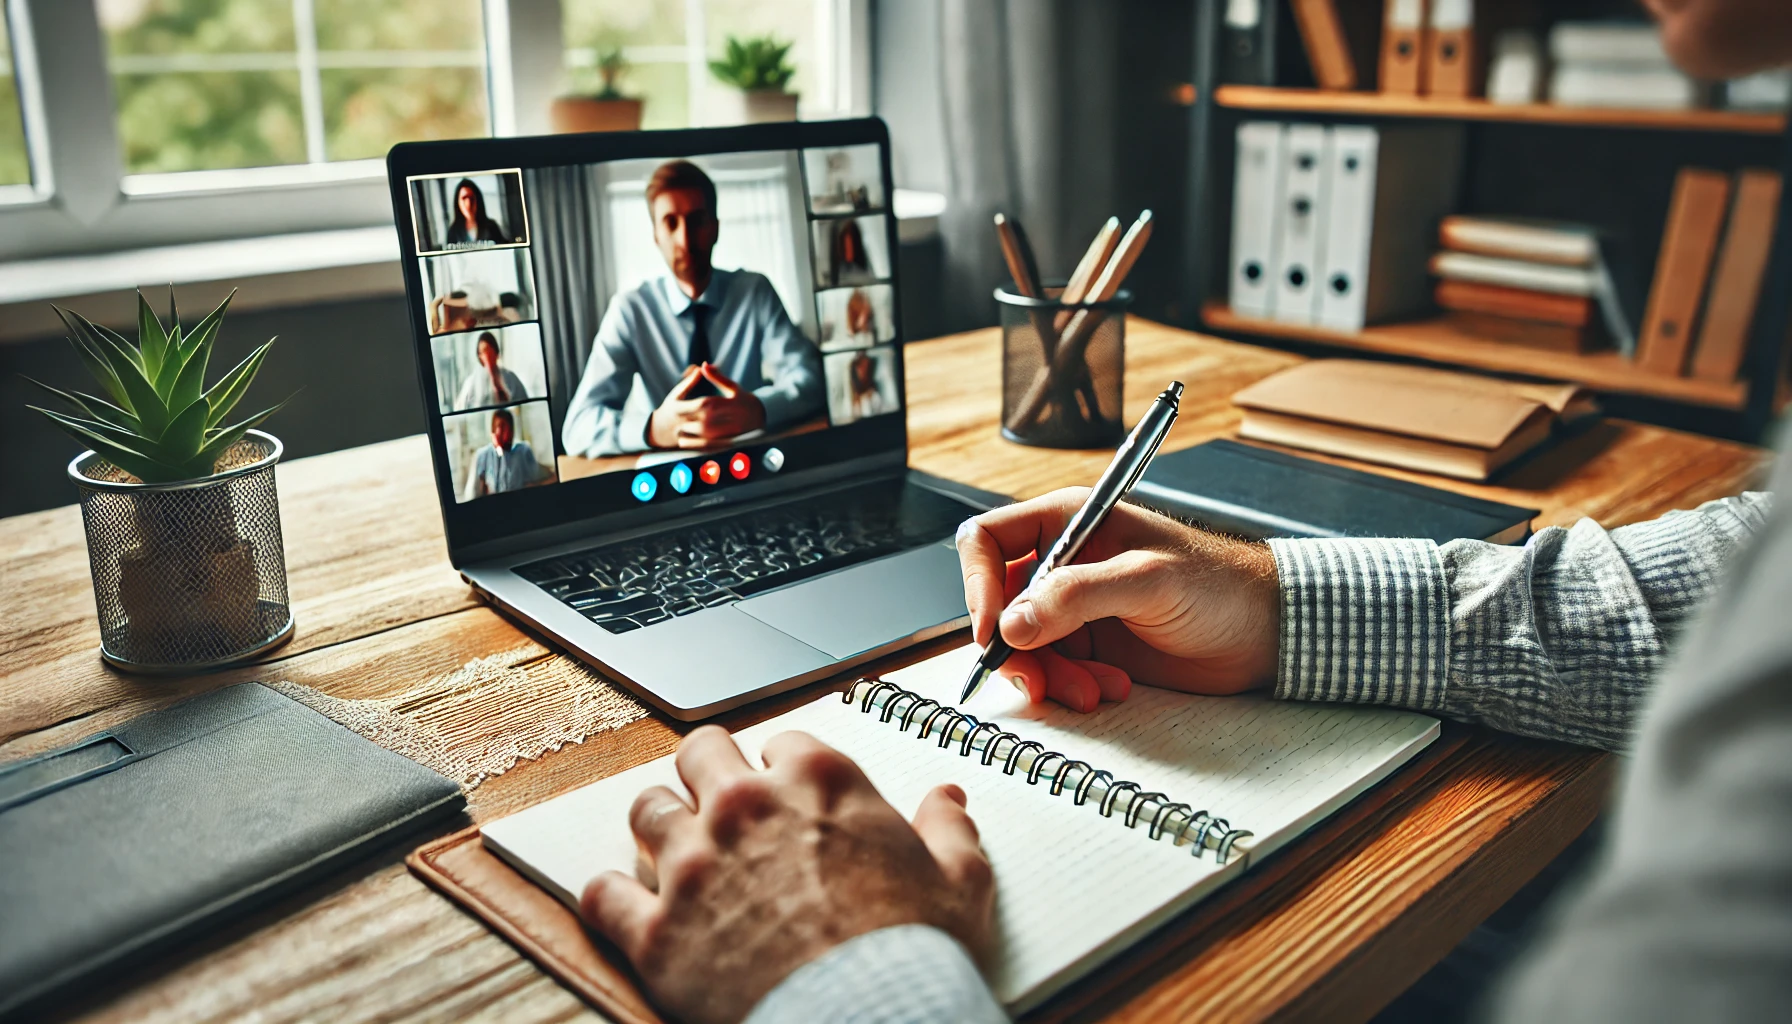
(189, 575)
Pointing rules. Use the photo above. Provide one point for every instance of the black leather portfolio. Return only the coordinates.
(1257, 492)
(131, 839)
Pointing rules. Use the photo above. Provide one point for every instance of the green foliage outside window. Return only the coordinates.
(203, 84)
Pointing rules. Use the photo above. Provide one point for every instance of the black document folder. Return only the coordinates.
(1256, 492)
(126, 842)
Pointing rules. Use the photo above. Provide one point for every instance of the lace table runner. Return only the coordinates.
(474, 723)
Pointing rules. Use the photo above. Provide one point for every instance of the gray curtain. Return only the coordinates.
(1027, 104)
(563, 205)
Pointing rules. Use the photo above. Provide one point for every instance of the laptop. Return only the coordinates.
(664, 383)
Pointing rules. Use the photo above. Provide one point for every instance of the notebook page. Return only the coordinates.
(1273, 767)
(1072, 887)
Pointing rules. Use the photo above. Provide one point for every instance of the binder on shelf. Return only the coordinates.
(1256, 197)
(1385, 190)
(1328, 48)
(1736, 283)
(1402, 42)
(1248, 42)
(1451, 57)
(1695, 220)
(1300, 226)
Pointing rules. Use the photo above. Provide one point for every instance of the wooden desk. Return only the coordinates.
(1332, 930)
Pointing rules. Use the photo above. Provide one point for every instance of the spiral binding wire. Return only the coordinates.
(1168, 818)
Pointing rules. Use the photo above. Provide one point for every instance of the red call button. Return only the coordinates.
(709, 472)
(739, 465)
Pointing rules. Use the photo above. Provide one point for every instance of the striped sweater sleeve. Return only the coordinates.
(1558, 639)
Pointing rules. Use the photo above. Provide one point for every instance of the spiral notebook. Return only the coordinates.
(1100, 827)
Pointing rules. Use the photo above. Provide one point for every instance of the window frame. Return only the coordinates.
(81, 201)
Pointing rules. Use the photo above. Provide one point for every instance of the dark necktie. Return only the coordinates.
(699, 335)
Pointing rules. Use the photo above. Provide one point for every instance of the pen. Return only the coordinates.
(1128, 465)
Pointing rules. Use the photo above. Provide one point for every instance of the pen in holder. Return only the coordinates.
(1063, 370)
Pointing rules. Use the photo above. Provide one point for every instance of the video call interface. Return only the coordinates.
(672, 320)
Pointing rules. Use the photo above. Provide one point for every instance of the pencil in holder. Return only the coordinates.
(1063, 370)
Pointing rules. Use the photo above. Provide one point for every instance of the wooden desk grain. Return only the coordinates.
(1329, 931)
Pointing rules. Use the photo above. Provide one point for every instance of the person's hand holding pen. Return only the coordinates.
(1148, 600)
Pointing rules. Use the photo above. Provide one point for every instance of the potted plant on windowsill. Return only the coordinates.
(757, 70)
(606, 111)
(181, 513)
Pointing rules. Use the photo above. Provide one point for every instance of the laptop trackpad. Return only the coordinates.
(870, 605)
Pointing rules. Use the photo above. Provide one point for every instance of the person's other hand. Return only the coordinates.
(1149, 600)
(662, 427)
(774, 868)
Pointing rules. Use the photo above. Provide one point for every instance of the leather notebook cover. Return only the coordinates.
(134, 838)
(1517, 303)
(529, 918)
(1257, 492)
(1414, 401)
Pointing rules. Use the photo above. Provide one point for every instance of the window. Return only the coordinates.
(134, 123)
(668, 45)
(214, 84)
(15, 166)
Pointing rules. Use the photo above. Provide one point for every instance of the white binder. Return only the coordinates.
(1387, 190)
(1300, 236)
(1256, 196)
(1349, 224)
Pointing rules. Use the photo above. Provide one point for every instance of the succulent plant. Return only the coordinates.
(754, 64)
(162, 424)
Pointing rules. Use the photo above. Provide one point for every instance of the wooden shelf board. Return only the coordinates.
(1374, 104)
(1439, 341)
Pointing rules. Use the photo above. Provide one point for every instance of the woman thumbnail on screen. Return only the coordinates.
(481, 210)
(862, 384)
(488, 367)
(856, 317)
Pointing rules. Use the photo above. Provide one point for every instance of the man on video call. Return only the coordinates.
(714, 348)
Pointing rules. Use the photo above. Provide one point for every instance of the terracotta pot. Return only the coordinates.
(758, 106)
(571, 114)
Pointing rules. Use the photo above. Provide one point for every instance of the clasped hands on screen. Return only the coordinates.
(684, 420)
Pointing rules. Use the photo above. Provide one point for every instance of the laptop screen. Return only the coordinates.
(644, 329)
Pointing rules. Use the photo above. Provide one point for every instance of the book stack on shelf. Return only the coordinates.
(1616, 64)
(1532, 283)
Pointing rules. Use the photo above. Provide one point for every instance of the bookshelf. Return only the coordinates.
(1613, 168)
(1439, 341)
(1371, 104)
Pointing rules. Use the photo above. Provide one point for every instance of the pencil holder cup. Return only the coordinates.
(1063, 370)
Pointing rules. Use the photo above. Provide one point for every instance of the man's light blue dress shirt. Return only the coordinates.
(646, 332)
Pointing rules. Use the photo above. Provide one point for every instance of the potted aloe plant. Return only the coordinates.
(182, 518)
(758, 70)
(608, 110)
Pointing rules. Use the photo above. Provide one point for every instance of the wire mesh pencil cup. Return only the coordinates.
(1063, 370)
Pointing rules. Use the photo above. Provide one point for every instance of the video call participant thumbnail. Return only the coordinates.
(507, 464)
(715, 349)
(472, 225)
(492, 383)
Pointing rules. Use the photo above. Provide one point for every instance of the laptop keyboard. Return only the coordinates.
(637, 583)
